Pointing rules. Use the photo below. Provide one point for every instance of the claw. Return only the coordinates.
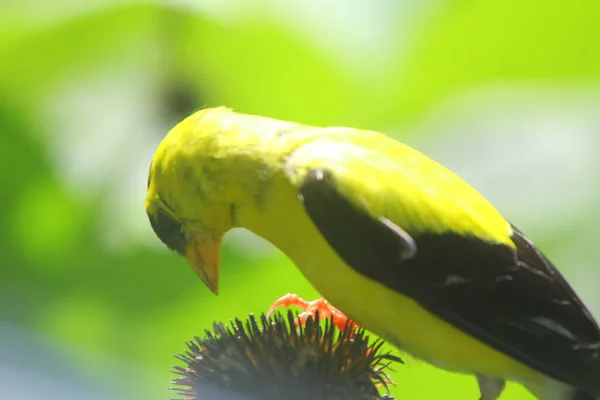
(287, 301)
(325, 311)
(310, 309)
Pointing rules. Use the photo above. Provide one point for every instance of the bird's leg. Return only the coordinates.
(490, 388)
(310, 309)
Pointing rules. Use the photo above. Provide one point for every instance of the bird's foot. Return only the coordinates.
(321, 306)
(325, 310)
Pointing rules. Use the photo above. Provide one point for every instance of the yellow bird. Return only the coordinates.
(399, 243)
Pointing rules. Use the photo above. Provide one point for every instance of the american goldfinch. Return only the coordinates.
(397, 242)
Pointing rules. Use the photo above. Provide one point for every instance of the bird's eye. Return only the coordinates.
(168, 230)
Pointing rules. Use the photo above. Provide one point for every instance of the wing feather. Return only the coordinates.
(511, 298)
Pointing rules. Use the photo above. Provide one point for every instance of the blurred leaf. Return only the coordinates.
(260, 67)
(47, 223)
(46, 54)
(471, 43)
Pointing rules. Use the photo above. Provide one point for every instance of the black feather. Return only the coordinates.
(514, 300)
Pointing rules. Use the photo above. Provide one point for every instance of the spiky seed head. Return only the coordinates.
(272, 360)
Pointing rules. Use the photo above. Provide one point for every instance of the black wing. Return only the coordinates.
(515, 301)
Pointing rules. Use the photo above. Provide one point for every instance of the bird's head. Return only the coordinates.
(191, 199)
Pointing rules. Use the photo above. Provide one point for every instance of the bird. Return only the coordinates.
(397, 242)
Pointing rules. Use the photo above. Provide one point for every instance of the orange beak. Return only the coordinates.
(204, 257)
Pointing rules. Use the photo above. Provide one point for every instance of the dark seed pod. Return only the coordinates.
(273, 359)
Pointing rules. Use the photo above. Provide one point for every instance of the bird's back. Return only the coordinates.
(409, 188)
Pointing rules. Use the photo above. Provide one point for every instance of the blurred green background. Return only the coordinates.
(92, 306)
